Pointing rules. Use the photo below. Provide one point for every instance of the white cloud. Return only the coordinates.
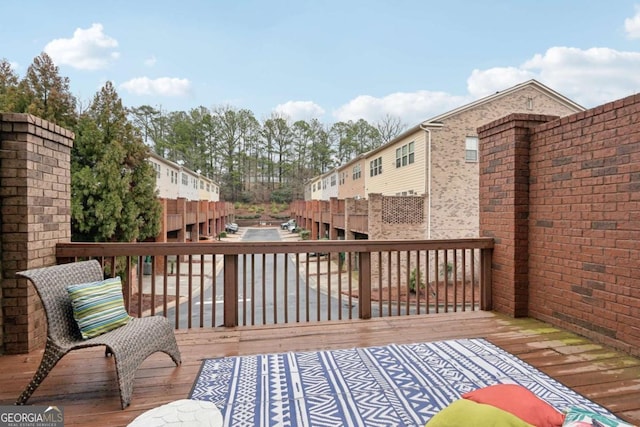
(299, 110)
(590, 77)
(163, 86)
(88, 49)
(632, 25)
(484, 83)
(151, 61)
(410, 107)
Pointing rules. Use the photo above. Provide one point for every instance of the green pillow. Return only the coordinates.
(98, 307)
(581, 417)
(467, 413)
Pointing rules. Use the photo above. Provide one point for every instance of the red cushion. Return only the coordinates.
(520, 402)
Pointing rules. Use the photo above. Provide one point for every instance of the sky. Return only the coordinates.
(334, 60)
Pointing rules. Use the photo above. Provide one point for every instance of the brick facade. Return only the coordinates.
(562, 200)
(393, 218)
(35, 183)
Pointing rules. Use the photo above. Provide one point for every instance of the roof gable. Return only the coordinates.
(500, 94)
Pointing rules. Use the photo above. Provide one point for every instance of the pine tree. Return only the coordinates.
(44, 93)
(8, 87)
(113, 186)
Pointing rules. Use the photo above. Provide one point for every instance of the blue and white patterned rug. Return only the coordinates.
(393, 385)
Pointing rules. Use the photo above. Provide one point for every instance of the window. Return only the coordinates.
(471, 149)
(343, 178)
(333, 180)
(185, 179)
(375, 167)
(405, 155)
(174, 177)
(356, 172)
(157, 168)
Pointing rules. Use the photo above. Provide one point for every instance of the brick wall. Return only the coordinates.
(566, 194)
(504, 206)
(35, 182)
(396, 217)
(454, 187)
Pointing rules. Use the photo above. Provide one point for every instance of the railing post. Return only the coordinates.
(364, 285)
(230, 315)
(486, 302)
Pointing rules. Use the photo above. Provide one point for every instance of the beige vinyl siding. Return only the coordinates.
(405, 180)
(316, 189)
(167, 180)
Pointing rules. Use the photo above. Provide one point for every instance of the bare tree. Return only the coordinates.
(389, 127)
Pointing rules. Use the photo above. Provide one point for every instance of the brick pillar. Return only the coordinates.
(348, 210)
(504, 206)
(333, 209)
(182, 210)
(315, 219)
(35, 200)
(194, 208)
(375, 216)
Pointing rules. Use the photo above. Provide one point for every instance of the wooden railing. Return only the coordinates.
(252, 283)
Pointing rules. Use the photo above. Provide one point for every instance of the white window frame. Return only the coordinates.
(375, 167)
(405, 155)
(471, 149)
(357, 173)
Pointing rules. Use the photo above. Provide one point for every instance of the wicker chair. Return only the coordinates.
(130, 344)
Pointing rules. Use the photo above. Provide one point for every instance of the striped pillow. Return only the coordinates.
(98, 307)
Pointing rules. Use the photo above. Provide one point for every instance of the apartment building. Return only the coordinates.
(438, 158)
(175, 181)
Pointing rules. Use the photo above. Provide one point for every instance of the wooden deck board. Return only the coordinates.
(83, 382)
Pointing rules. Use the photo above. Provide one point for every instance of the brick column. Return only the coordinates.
(182, 210)
(375, 216)
(504, 206)
(315, 219)
(35, 199)
(348, 210)
(333, 208)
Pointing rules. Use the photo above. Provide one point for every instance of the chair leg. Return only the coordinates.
(129, 357)
(171, 348)
(52, 354)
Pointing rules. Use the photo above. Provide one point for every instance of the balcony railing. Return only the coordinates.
(255, 283)
(174, 222)
(359, 223)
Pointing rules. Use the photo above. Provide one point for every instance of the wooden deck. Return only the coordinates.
(84, 384)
